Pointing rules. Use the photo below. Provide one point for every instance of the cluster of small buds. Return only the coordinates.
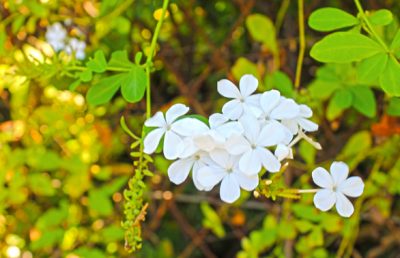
(57, 37)
(255, 131)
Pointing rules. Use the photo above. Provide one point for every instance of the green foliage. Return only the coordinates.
(344, 47)
(211, 220)
(328, 19)
(262, 29)
(131, 78)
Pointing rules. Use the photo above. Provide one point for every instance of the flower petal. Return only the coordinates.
(305, 111)
(216, 120)
(173, 145)
(230, 189)
(237, 144)
(343, 206)
(307, 125)
(291, 125)
(209, 176)
(248, 183)
(251, 128)
(283, 152)
(248, 84)
(179, 170)
(221, 157)
(322, 178)
(352, 186)
(175, 111)
(227, 89)
(189, 126)
(269, 161)
(339, 171)
(286, 109)
(155, 121)
(152, 140)
(269, 100)
(233, 109)
(230, 128)
(249, 163)
(324, 199)
(271, 134)
(189, 148)
(196, 175)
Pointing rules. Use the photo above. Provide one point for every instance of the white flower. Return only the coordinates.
(301, 121)
(253, 146)
(221, 132)
(173, 129)
(226, 169)
(179, 170)
(276, 107)
(283, 152)
(243, 102)
(77, 47)
(335, 188)
(56, 35)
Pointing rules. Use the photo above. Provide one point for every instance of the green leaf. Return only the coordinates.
(104, 90)
(344, 47)
(393, 108)
(100, 202)
(390, 78)
(369, 69)
(119, 59)
(322, 90)
(328, 19)
(359, 141)
(307, 152)
(283, 83)
(86, 75)
(381, 17)
(99, 63)
(262, 29)
(74, 85)
(364, 100)
(211, 220)
(286, 230)
(396, 41)
(244, 66)
(133, 85)
(341, 100)
(40, 184)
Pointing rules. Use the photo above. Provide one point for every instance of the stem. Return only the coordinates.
(150, 57)
(302, 44)
(371, 29)
(281, 15)
(307, 190)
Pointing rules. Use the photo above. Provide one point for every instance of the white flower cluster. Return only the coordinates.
(56, 36)
(254, 131)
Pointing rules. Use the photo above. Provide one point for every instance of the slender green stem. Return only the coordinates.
(369, 26)
(302, 43)
(281, 15)
(150, 57)
(307, 190)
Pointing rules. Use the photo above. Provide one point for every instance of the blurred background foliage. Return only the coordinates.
(64, 163)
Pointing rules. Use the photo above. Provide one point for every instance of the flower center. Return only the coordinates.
(168, 127)
(253, 146)
(334, 188)
(241, 100)
(197, 157)
(229, 169)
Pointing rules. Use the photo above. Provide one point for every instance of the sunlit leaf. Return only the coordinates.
(344, 47)
(328, 18)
